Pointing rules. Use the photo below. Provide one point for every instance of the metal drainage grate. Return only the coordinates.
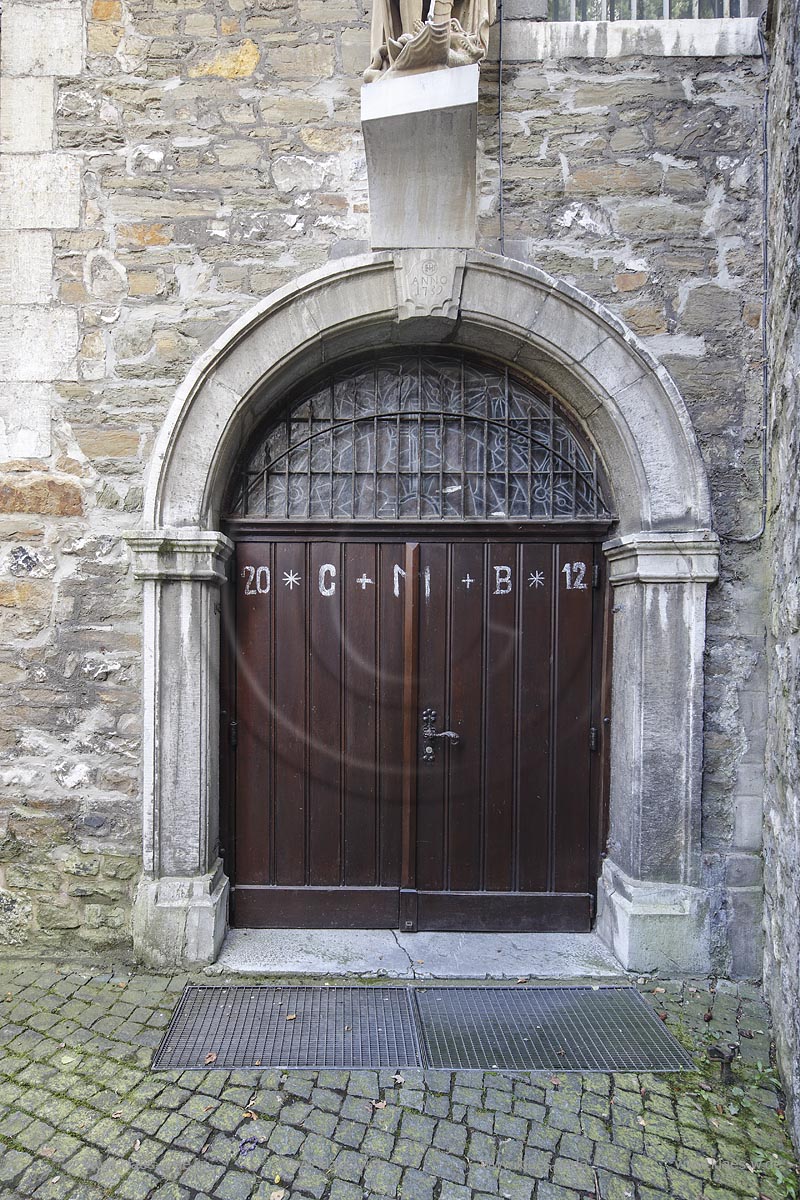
(290, 1027)
(452, 1028)
(545, 1029)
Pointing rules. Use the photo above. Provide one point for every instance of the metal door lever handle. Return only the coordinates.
(430, 733)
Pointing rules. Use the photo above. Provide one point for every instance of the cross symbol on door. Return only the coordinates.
(468, 581)
(364, 581)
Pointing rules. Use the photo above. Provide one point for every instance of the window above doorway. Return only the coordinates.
(419, 436)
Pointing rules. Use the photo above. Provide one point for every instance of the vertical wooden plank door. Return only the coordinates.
(319, 758)
(505, 660)
(346, 814)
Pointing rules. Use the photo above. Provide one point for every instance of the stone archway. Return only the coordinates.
(653, 910)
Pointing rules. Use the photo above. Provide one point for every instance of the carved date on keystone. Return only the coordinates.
(426, 282)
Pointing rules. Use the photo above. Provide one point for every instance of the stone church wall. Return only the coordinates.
(205, 154)
(782, 816)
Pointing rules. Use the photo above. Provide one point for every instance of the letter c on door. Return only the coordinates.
(327, 586)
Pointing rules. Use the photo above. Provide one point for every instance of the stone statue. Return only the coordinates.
(427, 35)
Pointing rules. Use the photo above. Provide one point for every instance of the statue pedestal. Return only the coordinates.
(420, 135)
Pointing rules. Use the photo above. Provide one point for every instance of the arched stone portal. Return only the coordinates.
(653, 909)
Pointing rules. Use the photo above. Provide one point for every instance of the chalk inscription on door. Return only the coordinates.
(258, 579)
(350, 810)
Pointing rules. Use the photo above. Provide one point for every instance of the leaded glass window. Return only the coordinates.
(419, 436)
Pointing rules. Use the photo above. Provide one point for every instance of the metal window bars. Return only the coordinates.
(419, 436)
(643, 10)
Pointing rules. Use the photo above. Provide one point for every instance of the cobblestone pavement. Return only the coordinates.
(82, 1117)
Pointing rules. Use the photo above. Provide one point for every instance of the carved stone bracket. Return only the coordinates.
(429, 283)
(420, 137)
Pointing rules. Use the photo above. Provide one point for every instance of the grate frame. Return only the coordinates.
(569, 1029)
(246, 1025)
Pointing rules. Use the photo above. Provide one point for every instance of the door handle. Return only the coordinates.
(430, 733)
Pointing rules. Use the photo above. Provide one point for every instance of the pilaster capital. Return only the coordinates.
(663, 557)
(179, 553)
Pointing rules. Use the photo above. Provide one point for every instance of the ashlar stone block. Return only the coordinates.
(37, 344)
(42, 39)
(40, 192)
(26, 114)
(25, 421)
(26, 258)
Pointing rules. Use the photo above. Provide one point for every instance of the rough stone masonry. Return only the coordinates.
(782, 823)
(179, 159)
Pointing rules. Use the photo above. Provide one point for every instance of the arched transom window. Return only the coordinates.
(419, 436)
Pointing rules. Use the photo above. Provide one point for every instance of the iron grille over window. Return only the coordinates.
(419, 436)
(643, 10)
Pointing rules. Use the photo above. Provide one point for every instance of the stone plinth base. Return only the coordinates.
(653, 927)
(420, 135)
(180, 921)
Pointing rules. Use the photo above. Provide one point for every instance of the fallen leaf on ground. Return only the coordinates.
(379, 1104)
(277, 1195)
(398, 1078)
(746, 1033)
(662, 1016)
(291, 1016)
(556, 1083)
(712, 1162)
(47, 1151)
(204, 1148)
(642, 1121)
(137, 1143)
(250, 1114)
(659, 991)
(258, 1062)
(708, 1015)
(211, 1057)
(524, 979)
(116, 1115)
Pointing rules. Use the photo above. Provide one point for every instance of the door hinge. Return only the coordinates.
(593, 739)
(233, 734)
(596, 575)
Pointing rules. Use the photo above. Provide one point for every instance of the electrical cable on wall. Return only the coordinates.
(502, 211)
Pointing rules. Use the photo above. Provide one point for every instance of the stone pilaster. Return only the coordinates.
(653, 910)
(180, 912)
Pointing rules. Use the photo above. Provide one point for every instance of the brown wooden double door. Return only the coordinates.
(347, 810)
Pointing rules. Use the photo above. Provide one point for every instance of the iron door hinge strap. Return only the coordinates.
(596, 575)
(593, 738)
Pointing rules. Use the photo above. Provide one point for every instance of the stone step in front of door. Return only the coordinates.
(583, 1028)
(390, 954)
